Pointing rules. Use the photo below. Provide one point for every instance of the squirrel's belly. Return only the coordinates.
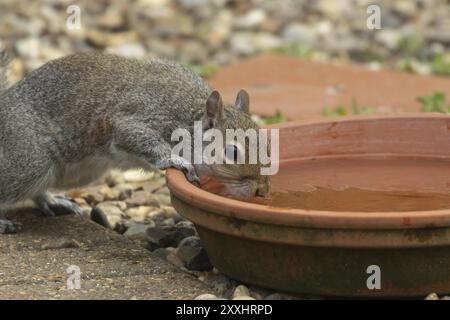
(89, 169)
(77, 174)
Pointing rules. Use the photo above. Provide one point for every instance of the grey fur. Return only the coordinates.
(73, 118)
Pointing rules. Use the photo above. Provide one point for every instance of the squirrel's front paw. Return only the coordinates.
(192, 176)
(181, 164)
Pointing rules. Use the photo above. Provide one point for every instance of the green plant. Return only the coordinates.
(295, 49)
(277, 118)
(406, 65)
(369, 55)
(410, 45)
(441, 64)
(204, 70)
(434, 102)
(340, 110)
(356, 109)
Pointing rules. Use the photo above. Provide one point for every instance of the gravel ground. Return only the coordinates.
(34, 264)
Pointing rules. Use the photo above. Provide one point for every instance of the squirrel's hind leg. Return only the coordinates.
(54, 205)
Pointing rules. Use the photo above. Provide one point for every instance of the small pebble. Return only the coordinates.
(279, 296)
(98, 216)
(432, 296)
(222, 285)
(241, 291)
(206, 296)
(244, 298)
(142, 198)
(136, 231)
(168, 222)
(174, 259)
(177, 217)
(167, 236)
(194, 258)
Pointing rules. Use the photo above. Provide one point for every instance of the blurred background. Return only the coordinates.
(208, 34)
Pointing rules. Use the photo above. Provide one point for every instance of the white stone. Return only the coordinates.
(128, 50)
(249, 43)
(137, 175)
(206, 296)
(252, 19)
(241, 291)
(298, 32)
(28, 48)
(244, 298)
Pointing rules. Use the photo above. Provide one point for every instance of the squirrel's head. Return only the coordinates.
(240, 176)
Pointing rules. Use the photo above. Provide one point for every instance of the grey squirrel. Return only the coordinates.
(73, 118)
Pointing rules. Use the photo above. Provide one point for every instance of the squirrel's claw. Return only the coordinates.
(51, 205)
(187, 168)
(181, 164)
(192, 177)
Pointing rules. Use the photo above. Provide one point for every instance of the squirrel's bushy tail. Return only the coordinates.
(4, 61)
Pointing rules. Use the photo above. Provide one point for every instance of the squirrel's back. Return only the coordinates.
(84, 82)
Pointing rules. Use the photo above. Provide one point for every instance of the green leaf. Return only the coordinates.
(277, 118)
(434, 102)
(295, 49)
(204, 70)
(441, 64)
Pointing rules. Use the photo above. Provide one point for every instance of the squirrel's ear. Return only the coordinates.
(214, 109)
(243, 101)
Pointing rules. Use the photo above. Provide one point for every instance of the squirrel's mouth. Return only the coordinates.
(237, 189)
(240, 192)
(225, 182)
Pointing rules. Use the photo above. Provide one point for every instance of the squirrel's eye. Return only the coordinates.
(231, 152)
